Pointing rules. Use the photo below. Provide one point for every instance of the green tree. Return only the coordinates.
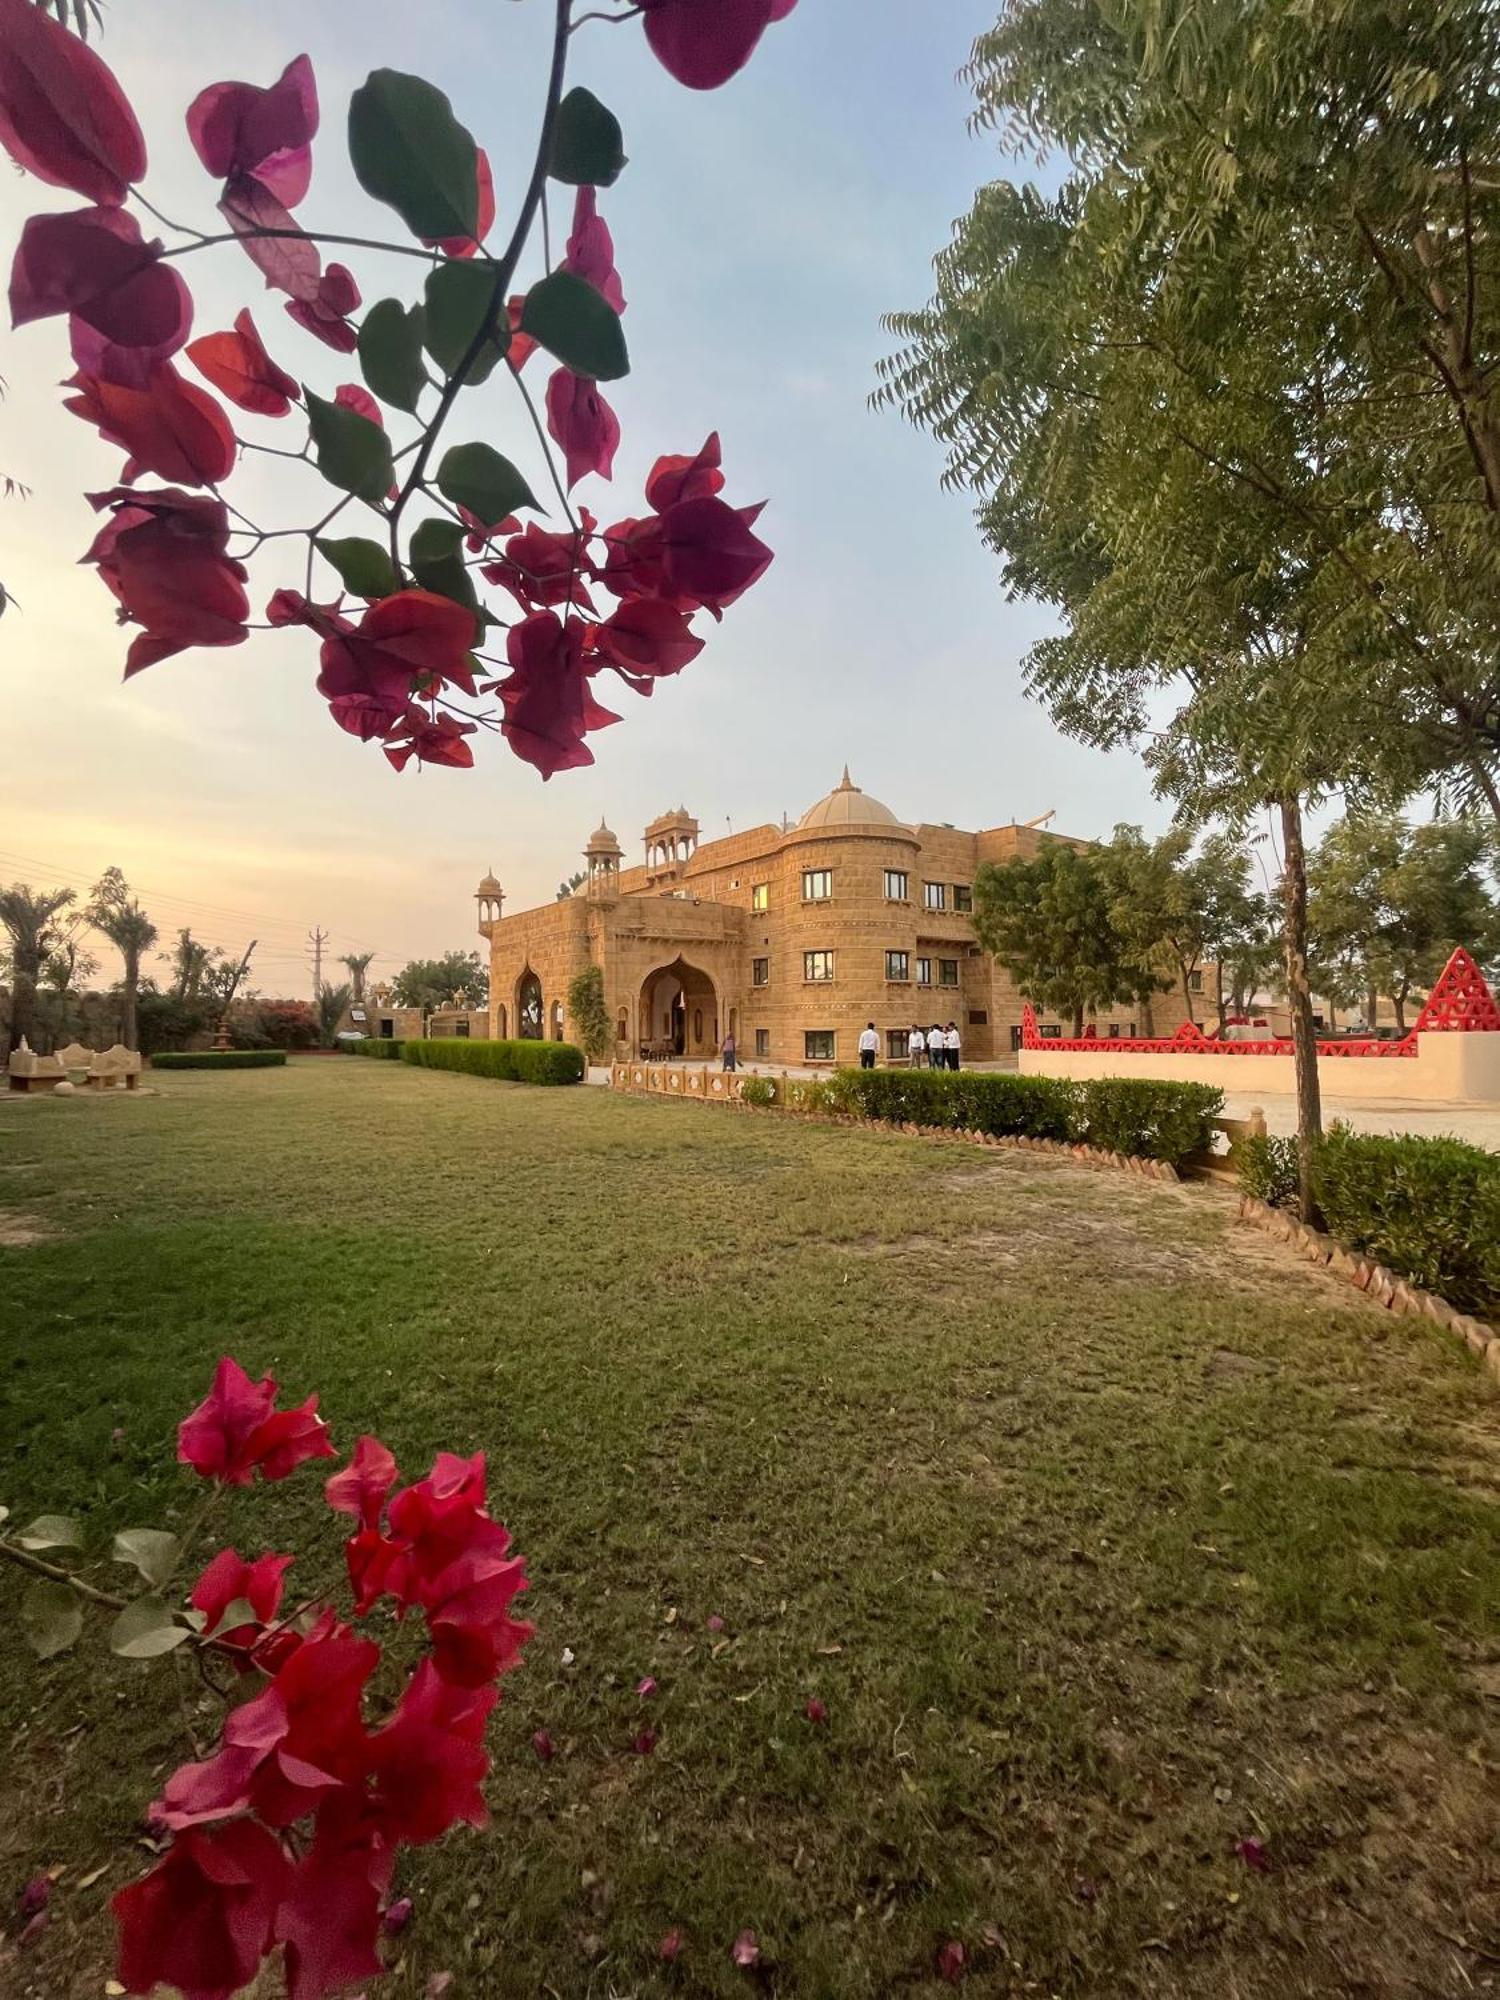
(30, 920)
(1049, 923)
(575, 881)
(1171, 905)
(433, 982)
(357, 964)
(190, 962)
(1388, 902)
(118, 915)
(332, 1004)
(590, 1015)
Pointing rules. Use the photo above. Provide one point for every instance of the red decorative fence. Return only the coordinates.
(1460, 1003)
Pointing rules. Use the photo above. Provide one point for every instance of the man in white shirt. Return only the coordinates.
(916, 1047)
(869, 1042)
(951, 1044)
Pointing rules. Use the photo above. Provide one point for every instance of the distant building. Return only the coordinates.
(791, 937)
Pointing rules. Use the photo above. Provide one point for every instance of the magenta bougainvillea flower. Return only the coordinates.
(202, 1920)
(428, 1761)
(579, 419)
(678, 478)
(230, 1579)
(242, 132)
(361, 1488)
(709, 556)
(591, 250)
(549, 706)
(93, 262)
(163, 555)
(239, 367)
(166, 426)
(62, 115)
(704, 42)
(648, 636)
(237, 1431)
(326, 312)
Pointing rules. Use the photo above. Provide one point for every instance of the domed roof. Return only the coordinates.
(488, 887)
(847, 805)
(601, 840)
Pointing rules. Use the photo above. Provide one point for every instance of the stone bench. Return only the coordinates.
(100, 1069)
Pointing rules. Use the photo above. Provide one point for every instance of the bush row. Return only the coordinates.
(1154, 1121)
(384, 1048)
(219, 1059)
(511, 1062)
(1428, 1209)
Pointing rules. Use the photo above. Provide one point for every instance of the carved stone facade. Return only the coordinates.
(791, 937)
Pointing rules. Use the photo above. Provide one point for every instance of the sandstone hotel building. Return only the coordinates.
(791, 936)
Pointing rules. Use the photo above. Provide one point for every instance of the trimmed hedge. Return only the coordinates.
(1268, 1169)
(384, 1048)
(1154, 1121)
(1427, 1208)
(220, 1059)
(510, 1062)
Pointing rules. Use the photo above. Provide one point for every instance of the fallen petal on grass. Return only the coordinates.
(1253, 1854)
(950, 1962)
(397, 1916)
(544, 1747)
(816, 1711)
(646, 1688)
(670, 1947)
(746, 1949)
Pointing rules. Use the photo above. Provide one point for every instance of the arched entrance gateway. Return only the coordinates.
(529, 1007)
(679, 1012)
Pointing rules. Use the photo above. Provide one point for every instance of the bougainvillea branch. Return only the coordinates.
(401, 624)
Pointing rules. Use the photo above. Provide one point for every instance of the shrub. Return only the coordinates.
(220, 1059)
(284, 1024)
(590, 1014)
(510, 1062)
(758, 1090)
(382, 1048)
(1268, 1169)
(1428, 1208)
(164, 1022)
(1150, 1120)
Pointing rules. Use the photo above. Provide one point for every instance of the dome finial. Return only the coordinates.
(847, 783)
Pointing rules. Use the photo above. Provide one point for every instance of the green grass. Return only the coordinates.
(1108, 1533)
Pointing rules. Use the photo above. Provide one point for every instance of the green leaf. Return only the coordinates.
(151, 1550)
(437, 563)
(363, 566)
(587, 144)
(353, 453)
(51, 1531)
(459, 297)
(146, 1629)
(476, 476)
(409, 150)
(239, 1611)
(51, 1618)
(390, 352)
(578, 325)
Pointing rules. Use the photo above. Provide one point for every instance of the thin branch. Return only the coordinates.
(545, 443)
(24, 1559)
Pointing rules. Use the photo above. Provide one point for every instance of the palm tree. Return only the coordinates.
(114, 911)
(29, 919)
(332, 1001)
(358, 963)
(190, 963)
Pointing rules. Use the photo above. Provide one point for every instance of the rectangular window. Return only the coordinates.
(760, 972)
(817, 1045)
(1050, 1033)
(461, 1029)
(895, 1043)
(897, 965)
(817, 965)
(817, 885)
(760, 895)
(895, 885)
(1114, 1031)
(963, 896)
(387, 1030)
(935, 895)
(979, 1017)
(947, 972)
(924, 972)
(763, 1041)
(1195, 982)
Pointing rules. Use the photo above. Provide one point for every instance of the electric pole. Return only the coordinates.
(316, 940)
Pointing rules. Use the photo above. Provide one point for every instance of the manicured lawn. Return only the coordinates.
(1109, 1535)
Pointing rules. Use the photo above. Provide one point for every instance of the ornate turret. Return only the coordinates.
(490, 898)
(671, 843)
(602, 858)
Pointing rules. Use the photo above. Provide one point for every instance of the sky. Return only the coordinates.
(761, 231)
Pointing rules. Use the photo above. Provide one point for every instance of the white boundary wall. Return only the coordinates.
(1448, 1068)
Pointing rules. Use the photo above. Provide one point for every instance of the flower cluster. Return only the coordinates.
(403, 636)
(286, 1838)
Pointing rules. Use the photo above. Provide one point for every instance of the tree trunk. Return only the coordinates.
(1299, 996)
(1223, 1010)
(1148, 1018)
(1372, 1009)
(1077, 1024)
(1187, 990)
(130, 986)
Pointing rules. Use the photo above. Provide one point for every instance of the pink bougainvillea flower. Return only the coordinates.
(163, 556)
(167, 426)
(709, 554)
(467, 246)
(541, 567)
(1253, 1854)
(409, 640)
(361, 1488)
(543, 1745)
(62, 115)
(351, 396)
(675, 478)
(746, 1951)
(326, 313)
(239, 367)
(329, 1918)
(579, 419)
(94, 262)
(230, 1579)
(591, 249)
(242, 132)
(522, 345)
(549, 708)
(201, 1921)
(428, 1760)
(633, 565)
(648, 636)
(646, 1688)
(288, 260)
(950, 1962)
(645, 1742)
(670, 1948)
(396, 1916)
(704, 42)
(816, 1711)
(236, 1431)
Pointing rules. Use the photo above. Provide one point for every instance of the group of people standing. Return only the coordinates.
(931, 1048)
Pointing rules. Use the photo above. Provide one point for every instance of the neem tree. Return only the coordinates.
(405, 655)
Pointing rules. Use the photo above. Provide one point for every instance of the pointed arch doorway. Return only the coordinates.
(529, 1016)
(679, 1011)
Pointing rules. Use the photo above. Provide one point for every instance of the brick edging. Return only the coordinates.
(1399, 1295)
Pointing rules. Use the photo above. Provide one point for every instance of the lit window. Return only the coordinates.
(817, 1045)
(817, 885)
(947, 972)
(897, 965)
(963, 896)
(895, 885)
(763, 1041)
(760, 895)
(760, 972)
(924, 972)
(817, 965)
(935, 895)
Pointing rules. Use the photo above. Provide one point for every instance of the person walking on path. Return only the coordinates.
(951, 1044)
(729, 1052)
(916, 1047)
(869, 1042)
(936, 1047)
